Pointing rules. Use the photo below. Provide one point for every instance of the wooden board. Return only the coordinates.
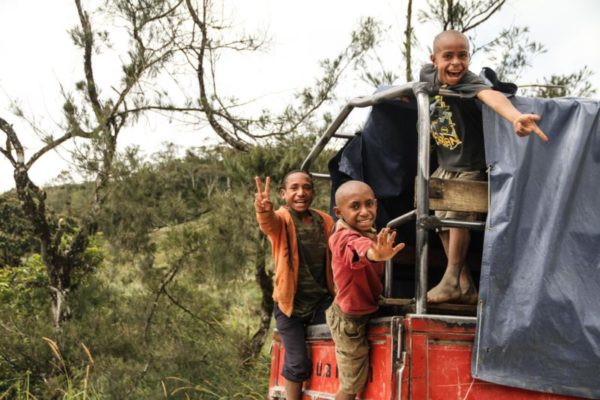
(455, 195)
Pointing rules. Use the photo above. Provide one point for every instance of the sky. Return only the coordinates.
(38, 57)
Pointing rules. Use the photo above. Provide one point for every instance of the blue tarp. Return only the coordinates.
(539, 315)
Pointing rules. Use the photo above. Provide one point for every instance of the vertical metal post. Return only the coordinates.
(387, 281)
(422, 195)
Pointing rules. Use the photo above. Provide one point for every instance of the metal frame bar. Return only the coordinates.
(387, 289)
(421, 91)
(422, 245)
(358, 102)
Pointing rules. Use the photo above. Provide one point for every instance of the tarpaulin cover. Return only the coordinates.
(539, 315)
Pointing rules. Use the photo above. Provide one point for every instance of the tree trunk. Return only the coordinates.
(265, 282)
(408, 33)
(58, 266)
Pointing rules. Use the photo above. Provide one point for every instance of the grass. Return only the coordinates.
(75, 387)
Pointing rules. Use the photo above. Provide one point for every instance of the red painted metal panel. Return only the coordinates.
(439, 358)
(275, 364)
(324, 381)
(437, 364)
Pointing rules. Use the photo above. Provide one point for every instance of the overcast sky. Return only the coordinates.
(37, 56)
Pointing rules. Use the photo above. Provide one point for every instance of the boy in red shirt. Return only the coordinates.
(358, 253)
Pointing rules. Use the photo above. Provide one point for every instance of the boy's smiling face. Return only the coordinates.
(356, 205)
(298, 192)
(451, 57)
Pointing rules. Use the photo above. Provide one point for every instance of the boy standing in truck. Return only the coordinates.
(457, 129)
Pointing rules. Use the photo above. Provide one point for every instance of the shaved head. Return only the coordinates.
(349, 188)
(449, 35)
(355, 203)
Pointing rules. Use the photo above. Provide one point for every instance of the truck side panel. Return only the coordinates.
(439, 362)
(431, 354)
(324, 381)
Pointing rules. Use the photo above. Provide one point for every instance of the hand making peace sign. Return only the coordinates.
(262, 199)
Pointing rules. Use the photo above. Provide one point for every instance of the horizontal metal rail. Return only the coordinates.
(344, 136)
(452, 223)
(391, 93)
(404, 218)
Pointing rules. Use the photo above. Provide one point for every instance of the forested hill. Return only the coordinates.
(165, 297)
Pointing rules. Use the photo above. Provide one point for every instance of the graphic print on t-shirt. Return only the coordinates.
(443, 128)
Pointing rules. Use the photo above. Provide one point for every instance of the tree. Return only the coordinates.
(15, 232)
(202, 48)
(409, 41)
(459, 15)
(512, 52)
(91, 115)
(204, 38)
(575, 84)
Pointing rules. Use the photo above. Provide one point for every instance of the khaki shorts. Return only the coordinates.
(349, 332)
(460, 176)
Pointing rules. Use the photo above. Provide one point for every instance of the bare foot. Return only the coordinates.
(468, 292)
(469, 296)
(443, 292)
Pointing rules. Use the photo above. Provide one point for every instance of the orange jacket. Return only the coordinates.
(279, 227)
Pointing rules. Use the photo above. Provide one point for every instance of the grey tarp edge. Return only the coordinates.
(539, 319)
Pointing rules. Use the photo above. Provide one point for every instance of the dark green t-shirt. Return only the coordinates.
(312, 248)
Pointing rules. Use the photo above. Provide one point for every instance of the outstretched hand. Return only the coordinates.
(525, 124)
(262, 199)
(383, 249)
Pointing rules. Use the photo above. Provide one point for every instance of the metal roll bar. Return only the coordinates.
(421, 91)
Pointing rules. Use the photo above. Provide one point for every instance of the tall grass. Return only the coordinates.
(75, 384)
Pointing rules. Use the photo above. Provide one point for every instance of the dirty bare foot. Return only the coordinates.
(469, 296)
(445, 291)
(468, 292)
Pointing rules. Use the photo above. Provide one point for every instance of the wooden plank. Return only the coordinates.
(455, 195)
(444, 308)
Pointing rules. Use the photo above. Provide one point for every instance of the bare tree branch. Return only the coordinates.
(12, 140)
(200, 73)
(471, 23)
(88, 43)
(52, 145)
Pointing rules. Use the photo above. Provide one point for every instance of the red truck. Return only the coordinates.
(418, 351)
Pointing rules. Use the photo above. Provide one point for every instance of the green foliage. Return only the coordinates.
(175, 325)
(148, 195)
(16, 236)
(459, 15)
(24, 287)
(576, 84)
(189, 346)
(512, 52)
(69, 199)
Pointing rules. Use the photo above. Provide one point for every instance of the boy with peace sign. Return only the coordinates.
(303, 286)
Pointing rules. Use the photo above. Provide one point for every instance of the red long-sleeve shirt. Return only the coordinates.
(357, 280)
